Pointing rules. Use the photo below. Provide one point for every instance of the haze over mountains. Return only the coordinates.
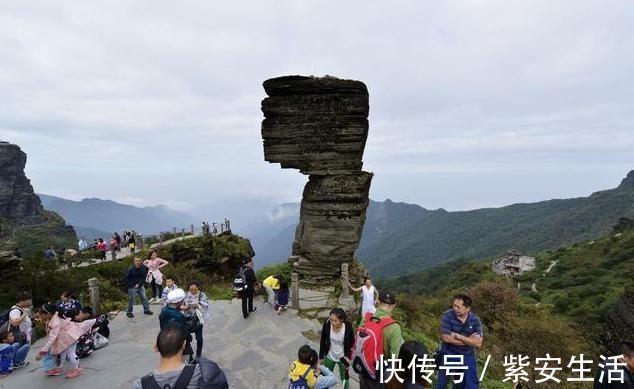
(398, 238)
(95, 217)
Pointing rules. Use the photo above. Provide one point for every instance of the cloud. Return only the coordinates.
(160, 101)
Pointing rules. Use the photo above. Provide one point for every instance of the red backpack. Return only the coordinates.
(368, 345)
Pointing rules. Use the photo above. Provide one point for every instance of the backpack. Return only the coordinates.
(368, 345)
(301, 382)
(240, 282)
(4, 316)
(211, 377)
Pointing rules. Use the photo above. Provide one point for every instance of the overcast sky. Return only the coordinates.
(472, 103)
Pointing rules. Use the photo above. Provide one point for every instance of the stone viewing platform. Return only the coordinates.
(254, 353)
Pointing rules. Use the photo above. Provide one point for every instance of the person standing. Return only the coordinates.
(392, 334)
(117, 238)
(249, 290)
(83, 244)
(335, 346)
(170, 285)
(62, 335)
(135, 278)
(154, 275)
(132, 241)
(172, 314)
(461, 335)
(369, 296)
(196, 307)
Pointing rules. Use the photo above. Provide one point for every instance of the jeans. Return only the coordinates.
(20, 352)
(132, 292)
(470, 380)
(199, 340)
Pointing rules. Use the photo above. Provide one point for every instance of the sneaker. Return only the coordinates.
(148, 313)
(54, 372)
(20, 365)
(74, 373)
(254, 309)
(130, 315)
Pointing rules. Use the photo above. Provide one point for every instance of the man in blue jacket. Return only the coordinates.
(135, 281)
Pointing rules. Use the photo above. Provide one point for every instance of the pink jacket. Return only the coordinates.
(62, 333)
(154, 273)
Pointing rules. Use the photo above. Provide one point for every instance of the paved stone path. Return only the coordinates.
(254, 353)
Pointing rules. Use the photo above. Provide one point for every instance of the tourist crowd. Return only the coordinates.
(73, 332)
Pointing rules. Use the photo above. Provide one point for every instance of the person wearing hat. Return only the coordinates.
(172, 314)
(392, 335)
(172, 311)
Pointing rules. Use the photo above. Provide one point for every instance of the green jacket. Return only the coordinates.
(392, 336)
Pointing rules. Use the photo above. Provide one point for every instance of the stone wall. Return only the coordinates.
(320, 126)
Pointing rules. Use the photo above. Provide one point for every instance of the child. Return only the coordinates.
(68, 303)
(306, 372)
(12, 354)
(282, 297)
(169, 286)
(154, 276)
(62, 334)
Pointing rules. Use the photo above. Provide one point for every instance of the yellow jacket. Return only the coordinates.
(298, 369)
(271, 282)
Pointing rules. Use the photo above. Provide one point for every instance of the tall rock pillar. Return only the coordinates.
(320, 126)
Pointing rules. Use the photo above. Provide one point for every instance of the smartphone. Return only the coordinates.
(345, 362)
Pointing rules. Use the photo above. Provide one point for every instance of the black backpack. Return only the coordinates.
(4, 316)
(240, 282)
(211, 377)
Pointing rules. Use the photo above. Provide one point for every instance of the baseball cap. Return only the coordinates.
(387, 297)
(175, 296)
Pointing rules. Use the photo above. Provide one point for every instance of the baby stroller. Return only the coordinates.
(85, 345)
(90, 342)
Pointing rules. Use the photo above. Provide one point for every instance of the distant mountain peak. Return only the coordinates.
(628, 181)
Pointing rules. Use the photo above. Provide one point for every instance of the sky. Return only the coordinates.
(472, 103)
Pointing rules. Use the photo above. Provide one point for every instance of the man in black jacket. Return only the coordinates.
(135, 281)
(250, 282)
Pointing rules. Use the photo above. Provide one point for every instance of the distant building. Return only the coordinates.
(512, 263)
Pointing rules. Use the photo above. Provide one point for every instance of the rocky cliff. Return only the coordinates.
(24, 224)
(17, 199)
(320, 126)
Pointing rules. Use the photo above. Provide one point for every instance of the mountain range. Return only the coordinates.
(398, 238)
(100, 218)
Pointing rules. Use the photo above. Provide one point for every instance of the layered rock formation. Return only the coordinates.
(17, 199)
(24, 224)
(320, 126)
